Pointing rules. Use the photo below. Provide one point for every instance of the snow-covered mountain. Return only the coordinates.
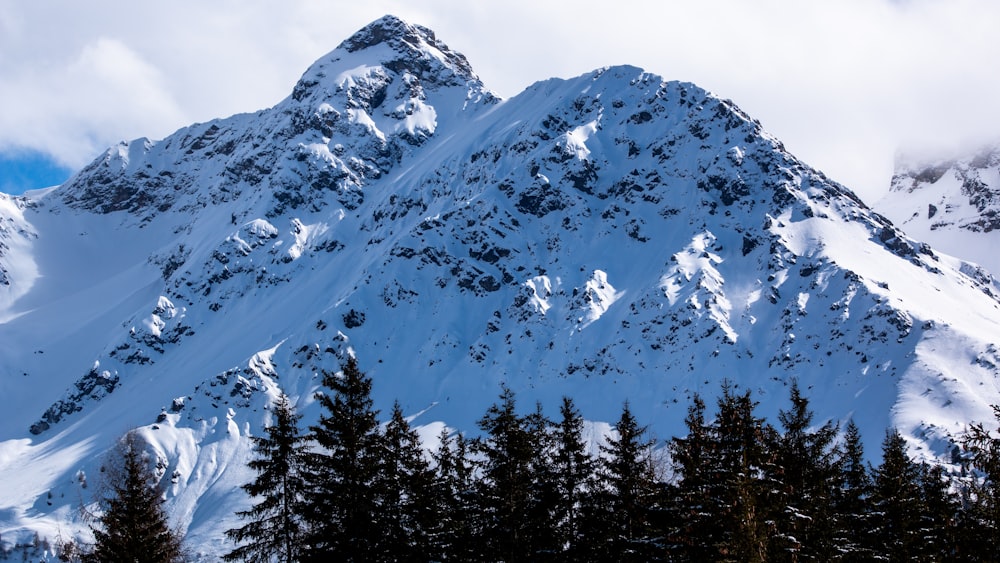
(952, 204)
(609, 237)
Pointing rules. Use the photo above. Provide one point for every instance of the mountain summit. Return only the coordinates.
(610, 237)
(352, 117)
(952, 203)
(412, 43)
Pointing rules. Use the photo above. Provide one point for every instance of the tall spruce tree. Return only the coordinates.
(573, 479)
(852, 514)
(406, 511)
(981, 448)
(735, 474)
(133, 524)
(541, 517)
(896, 502)
(341, 500)
(274, 525)
(455, 534)
(628, 490)
(696, 516)
(802, 480)
(939, 516)
(506, 487)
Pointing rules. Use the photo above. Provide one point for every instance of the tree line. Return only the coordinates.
(734, 488)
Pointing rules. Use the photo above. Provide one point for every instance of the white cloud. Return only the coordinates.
(843, 83)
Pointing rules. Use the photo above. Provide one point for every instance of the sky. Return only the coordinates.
(846, 85)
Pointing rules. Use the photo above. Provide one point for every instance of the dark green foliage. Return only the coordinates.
(573, 479)
(406, 512)
(627, 491)
(541, 517)
(982, 490)
(736, 471)
(801, 478)
(454, 537)
(274, 525)
(515, 523)
(745, 492)
(896, 502)
(133, 524)
(696, 528)
(938, 515)
(852, 490)
(341, 499)
(528, 490)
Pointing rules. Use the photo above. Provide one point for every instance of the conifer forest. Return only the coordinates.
(359, 487)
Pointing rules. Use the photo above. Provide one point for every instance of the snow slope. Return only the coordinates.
(953, 204)
(611, 237)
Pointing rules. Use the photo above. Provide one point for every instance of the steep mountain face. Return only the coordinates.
(953, 204)
(15, 235)
(611, 237)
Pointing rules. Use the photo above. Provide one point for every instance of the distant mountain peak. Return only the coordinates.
(951, 202)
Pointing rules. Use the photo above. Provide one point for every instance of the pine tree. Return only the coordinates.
(802, 479)
(540, 518)
(405, 510)
(735, 475)
(696, 525)
(133, 523)
(341, 499)
(274, 529)
(982, 514)
(938, 517)
(896, 502)
(573, 479)
(628, 482)
(454, 536)
(852, 518)
(507, 486)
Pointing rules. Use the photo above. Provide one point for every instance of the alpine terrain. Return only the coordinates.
(610, 237)
(954, 204)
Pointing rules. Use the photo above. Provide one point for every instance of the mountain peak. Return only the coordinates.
(400, 48)
(389, 30)
(951, 202)
(353, 116)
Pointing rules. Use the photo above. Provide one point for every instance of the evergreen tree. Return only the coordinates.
(133, 523)
(735, 473)
(852, 519)
(573, 479)
(896, 502)
(506, 486)
(454, 535)
(274, 528)
(628, 482)
(802, 479)
(341, 500)
(405, 510)
(696, 525)
(938, 517)
(541, 518)
(982, 490)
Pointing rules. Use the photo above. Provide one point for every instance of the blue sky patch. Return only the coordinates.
(21, 171)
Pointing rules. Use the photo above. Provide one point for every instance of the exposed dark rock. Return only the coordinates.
(94, 385)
